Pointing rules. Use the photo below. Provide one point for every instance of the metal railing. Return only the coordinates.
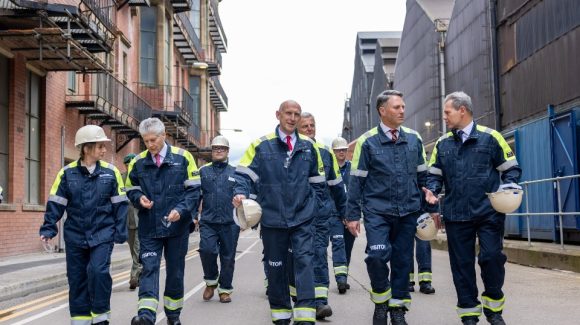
(216, 17)
(105, 11)
(190, 31)
(218, 87)
(106, 90)
(556, 183)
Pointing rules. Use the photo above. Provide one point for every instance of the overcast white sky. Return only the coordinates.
(293, 49)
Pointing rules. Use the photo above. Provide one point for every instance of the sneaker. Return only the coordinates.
(398, 316)
(380, 317)
(323, 311)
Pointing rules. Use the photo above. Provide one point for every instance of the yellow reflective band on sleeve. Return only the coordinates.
(495, 305)
(425, 277)
(303, 314)
(382, 297)
(280, 314)
(341, 270)
(465, 312)
(97, 318)
(397, 303)
(142, 155)
(292, 291)
(58, 178)
(172, 304)
(250, 153)
(407, 130)
(193, 177)
(433, 159)
(148, 303)
(320, 292)
(81, 320)
(508, 154)
(357, 149)
(320, 164)
(119, 178)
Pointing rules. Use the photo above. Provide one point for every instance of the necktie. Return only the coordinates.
(460, 134)
(289, 142)
(394, 135)
(157, 160)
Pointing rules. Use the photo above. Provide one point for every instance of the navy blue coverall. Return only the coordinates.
(385, 184)
(290, 188)
(217, 230)
(469, 170)
(423, 256)
(174, 185)
(96, 207)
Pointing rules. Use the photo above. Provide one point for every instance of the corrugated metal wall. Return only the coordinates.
(468, 57)
(379, 84)
(359, 111)
(416, 72)
(539, 45)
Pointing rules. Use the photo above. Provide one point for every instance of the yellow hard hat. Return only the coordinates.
(90, 133)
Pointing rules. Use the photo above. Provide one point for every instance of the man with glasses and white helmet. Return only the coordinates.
(217, 230)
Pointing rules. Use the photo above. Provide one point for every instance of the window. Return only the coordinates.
(195, 92)
(167, 51)
(4, 90)
(32, 140)
(71, 81)
(125, 68)
(195, 17)
(148, 48)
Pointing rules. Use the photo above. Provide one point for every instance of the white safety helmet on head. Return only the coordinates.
(426, 228)
(339, 143)
(248, 214)
(90, 133)
(220, 141)
(507, 199)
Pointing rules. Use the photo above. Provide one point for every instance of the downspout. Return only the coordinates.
(494, 64)
(442, 25)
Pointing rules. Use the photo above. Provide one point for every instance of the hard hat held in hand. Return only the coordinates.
(507, 199)
(426, 228)
(339, 143)
(90, 133)
(220, 141)
(248, 214)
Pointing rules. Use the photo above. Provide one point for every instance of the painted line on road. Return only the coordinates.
(41, 302)
(199, 286)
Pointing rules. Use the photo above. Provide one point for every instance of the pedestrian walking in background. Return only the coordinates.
(132, 229)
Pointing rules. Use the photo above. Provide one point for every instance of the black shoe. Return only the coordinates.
(380, 317)
(173, 321)
(469, 321)
(426, 288)
(133, 283)
(347, 286)
(294, 299)
(495, 319)
(341, 287)
(398, 316)
(411, 288)
(323, 311)
(105, 322)
(138, 320)
(282, 322)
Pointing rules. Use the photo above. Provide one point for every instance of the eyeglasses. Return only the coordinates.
(219, 149)
(341, 150)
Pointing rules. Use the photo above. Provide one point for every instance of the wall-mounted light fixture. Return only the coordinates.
(200, 65)
(428, 123)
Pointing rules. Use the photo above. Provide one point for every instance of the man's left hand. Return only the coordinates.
(173, 216)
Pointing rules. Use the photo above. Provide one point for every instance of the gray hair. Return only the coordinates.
(151, 125)
(386, 95)
(306, 115)
(459, 99)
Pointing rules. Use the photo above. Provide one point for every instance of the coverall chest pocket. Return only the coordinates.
(381, 159)
(412, 160)
(480, 162)
(175, 191)
(305, 161)
(104, 188)
(448, 158)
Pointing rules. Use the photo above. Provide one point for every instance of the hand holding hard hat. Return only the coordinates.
(426, 227)
(507, 198)
(248, 214)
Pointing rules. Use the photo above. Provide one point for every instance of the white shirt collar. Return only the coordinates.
(283, 136)
(387, 130)
(162, 153)
(466, 131)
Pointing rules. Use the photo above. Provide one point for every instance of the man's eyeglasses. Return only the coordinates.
(341, 150)
(219, 149)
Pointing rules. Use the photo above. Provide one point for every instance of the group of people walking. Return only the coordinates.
(310, 195)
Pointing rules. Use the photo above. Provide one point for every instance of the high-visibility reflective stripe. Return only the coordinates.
(253, 196)
(58, 199)
(358, 147)
(192, 182)
(336, 181)
(435, 171)
(339, 270)
(302, 314)
(292, 291)
(172, 304)
(425, 277)
(421, 168)
(132, 188)
(148, 303)
(81, 320)
(381, 298)
(474, 311)
(321, 292)
(316, 179)
(212, 283)
(411, 277)
(359, 173)
(249, 172)
(222, 290)
(266, 283)
(281, 314)
(507, 165)
(400, 303)
(495, 305)
(119, 198)
(97, 318)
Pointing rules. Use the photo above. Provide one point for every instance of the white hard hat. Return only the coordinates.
(220, 141)
(506, 200)
(339, 143)
(90, 133)
(426, 228)
(248, 214)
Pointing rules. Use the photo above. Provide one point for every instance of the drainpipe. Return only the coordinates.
(494, 63)
(441, 27)
(61, 221)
